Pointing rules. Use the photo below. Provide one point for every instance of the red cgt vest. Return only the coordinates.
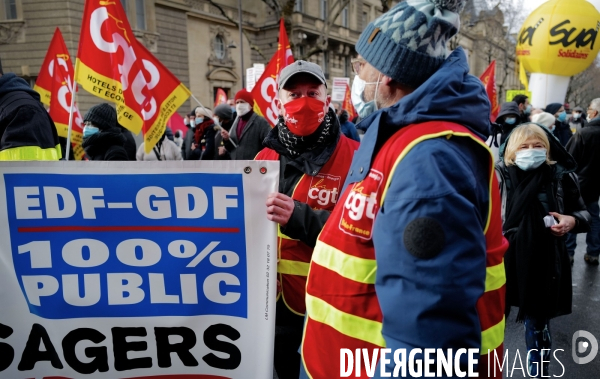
(342, 306)
(320, 192)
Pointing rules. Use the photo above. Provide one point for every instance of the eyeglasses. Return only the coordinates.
(357, 63)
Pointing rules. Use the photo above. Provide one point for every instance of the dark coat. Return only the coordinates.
(107, 145)
(251, 141)
(220, 143)
(584, 146)
(562, 131)
(186, 146)
(23, 120)
(129, 145)
(565, 199)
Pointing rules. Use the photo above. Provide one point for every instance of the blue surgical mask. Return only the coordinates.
(530, 159)
(192, 123)
(576, 116)
(562, 116)
(199, 120)
(510, 120)
(89, 130)
(527, 110)
(358, 89)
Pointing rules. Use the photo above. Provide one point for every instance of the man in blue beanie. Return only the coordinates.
(401, 262)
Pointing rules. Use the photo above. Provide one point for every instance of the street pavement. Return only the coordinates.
(585, 316)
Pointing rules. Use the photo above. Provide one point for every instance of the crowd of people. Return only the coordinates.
(399, 250)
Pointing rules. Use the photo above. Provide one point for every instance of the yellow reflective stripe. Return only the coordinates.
(31, 153)
(350, 267)
(492, 337)
(286, 266)
(447, 134)
(345, 323)
(495, 277)
(283, 236)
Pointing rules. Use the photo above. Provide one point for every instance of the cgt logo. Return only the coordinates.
(324, 189)
(584, 343)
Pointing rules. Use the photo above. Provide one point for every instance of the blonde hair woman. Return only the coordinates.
(541, 204)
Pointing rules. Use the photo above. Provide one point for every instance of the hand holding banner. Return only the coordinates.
(113, 65)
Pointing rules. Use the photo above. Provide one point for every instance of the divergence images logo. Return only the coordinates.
(580, 347)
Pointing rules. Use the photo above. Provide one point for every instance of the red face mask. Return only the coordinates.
(304, 115)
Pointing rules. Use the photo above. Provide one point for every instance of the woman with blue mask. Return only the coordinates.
(541, 204)
(103, 140)
(562, 130)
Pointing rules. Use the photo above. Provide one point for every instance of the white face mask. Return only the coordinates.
(358, 89)
(242, 108)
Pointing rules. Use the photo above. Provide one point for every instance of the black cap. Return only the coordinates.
(301, 67)
(103, 116)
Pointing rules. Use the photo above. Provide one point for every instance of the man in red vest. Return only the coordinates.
(314, 158)
(411, 258)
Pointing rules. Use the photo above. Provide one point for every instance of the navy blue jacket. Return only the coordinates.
(431, 303)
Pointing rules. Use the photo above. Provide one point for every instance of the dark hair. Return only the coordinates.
(343, 117)
(520, 99)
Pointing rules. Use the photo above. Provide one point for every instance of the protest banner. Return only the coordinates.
(113, 65)
(338, 88)
(347, 104)
(220, 98)
(56, 88)
(265, 90)
(510, 94)
(137, 271)
(489, 82)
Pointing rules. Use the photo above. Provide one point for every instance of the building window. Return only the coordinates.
(345, 17)
(299, 6)
(219, 47)
(323, 9)
(140, 14)
(365, 19)
(10, 9)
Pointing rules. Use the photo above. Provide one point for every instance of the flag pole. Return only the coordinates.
(206, 110)
(68, 148)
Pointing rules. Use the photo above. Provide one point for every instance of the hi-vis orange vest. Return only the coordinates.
(320, 192)
(342, 306)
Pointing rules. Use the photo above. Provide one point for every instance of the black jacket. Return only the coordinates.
(23, 119)
(584, 146)
(305, 224)
(129, 145)
(251, 141)
(562, 131)
(186, 146)
(565, 199)
(107, 145)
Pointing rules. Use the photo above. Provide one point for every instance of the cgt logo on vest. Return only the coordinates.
(324, 189)
(361, 206)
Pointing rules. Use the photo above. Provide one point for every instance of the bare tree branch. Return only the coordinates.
(252, 46)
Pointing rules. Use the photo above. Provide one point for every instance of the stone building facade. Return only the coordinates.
(198, 40)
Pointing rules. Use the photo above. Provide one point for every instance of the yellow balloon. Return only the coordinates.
(560, 38)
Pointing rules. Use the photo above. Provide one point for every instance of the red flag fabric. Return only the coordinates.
(114, 66)
(265, 89)
(55, 86)
(489, 81)
(347, 104)
(176, 123)
(221, 97)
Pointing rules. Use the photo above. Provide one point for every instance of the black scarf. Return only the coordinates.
(296, 145)
(532, 261)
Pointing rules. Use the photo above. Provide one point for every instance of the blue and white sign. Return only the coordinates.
(177, 258)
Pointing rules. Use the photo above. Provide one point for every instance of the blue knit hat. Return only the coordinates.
(408, 43)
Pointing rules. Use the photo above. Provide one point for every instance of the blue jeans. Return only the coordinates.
(592, 238)
(539, 343)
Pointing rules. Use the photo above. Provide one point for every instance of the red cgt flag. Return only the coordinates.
(221, 97)
(55, 86)
(489, 81)
(265, 90)
(347, 104)
(114, 66)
